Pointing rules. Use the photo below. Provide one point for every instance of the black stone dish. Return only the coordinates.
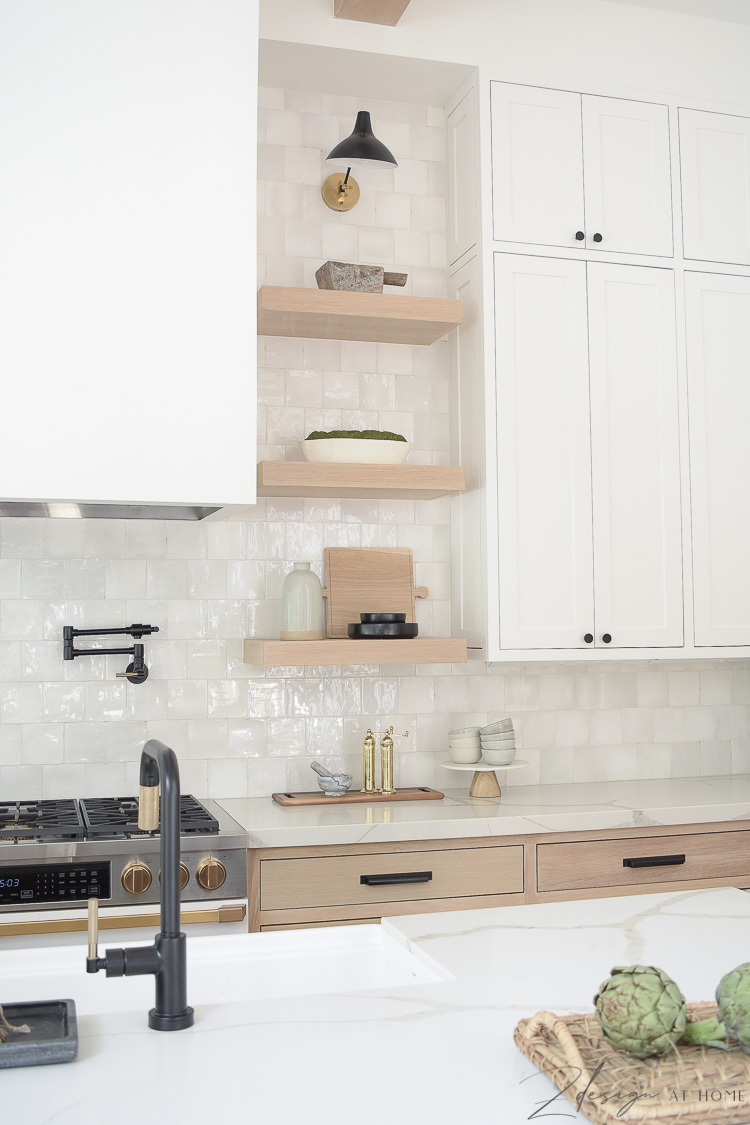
(53, 1037)
(382, 618)
(384, 630)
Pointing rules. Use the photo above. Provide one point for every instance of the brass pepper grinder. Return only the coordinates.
(368, 763)
(386, 762)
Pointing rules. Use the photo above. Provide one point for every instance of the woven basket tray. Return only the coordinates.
(690, 1086)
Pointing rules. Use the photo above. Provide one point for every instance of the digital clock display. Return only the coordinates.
(25, 885)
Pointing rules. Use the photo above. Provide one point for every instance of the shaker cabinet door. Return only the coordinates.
(543, 453)
(715, 169)
(627, 176)
(718, 342)
(635, 457)
(537, 165)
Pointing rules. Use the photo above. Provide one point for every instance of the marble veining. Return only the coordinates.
(436, 1053)
(521, 810)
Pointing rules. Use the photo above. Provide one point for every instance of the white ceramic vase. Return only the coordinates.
(302, 612)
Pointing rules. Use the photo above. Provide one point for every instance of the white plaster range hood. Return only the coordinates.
(127, 272)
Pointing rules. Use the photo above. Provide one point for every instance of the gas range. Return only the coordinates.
(56, 854)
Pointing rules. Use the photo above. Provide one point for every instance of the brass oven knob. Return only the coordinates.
(184, 876)
(211, 874)
(136, 878)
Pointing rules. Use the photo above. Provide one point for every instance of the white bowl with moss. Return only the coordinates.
(355, 447)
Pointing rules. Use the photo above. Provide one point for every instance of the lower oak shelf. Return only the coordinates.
(420, 650)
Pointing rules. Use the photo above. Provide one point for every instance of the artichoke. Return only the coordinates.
(641, 1011)
(733, 998)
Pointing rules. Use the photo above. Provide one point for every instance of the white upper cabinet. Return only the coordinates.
(545, 570)
(718, 339)
(127, 227)
(635, 457)
(628, 191)
(715, 169)
(463, 168)
(580, 171)
(588, 460)
(537, 165)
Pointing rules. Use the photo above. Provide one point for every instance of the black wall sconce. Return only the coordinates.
(360, 148)
(136, 671)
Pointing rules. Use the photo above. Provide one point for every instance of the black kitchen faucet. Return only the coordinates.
(167, 957)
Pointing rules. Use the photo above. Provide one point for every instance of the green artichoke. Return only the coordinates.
(733, 998)
(641, 1010)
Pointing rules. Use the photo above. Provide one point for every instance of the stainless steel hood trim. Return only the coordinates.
(69, 510)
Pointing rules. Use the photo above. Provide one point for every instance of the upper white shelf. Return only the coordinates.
(332, 314)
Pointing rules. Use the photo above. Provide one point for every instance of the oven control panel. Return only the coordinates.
(28, 884)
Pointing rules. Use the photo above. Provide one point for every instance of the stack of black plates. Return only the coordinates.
(388, 625)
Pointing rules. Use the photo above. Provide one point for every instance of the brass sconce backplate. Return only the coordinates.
(339, 196)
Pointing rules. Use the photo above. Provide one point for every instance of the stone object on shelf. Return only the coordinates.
(332, 784)
(357, 278)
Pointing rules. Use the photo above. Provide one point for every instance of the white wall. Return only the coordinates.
(573, 43)
(74, 729)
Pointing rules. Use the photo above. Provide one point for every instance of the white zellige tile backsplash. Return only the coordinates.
(72, 729)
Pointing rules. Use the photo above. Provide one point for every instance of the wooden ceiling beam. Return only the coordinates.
(370, 11)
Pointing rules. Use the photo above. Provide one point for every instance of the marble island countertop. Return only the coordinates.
(435, 1053)
(522, 809)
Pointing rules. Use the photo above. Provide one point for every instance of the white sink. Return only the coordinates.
(233, 969)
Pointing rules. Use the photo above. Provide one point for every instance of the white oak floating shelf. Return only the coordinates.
(306, 654)
(332, 314)
(359, 482)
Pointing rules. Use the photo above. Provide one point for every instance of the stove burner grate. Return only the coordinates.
(41, 820)
(107, 817)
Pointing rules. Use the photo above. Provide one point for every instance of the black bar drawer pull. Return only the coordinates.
(395, 879)
(654, 861)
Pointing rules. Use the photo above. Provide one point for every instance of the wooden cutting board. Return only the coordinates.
(417, 793)
(368, 580)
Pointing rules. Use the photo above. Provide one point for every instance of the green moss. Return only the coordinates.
(372, 435)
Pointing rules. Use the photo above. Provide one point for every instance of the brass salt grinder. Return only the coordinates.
(386, 762)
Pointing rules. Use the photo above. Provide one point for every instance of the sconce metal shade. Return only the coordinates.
(361, 147)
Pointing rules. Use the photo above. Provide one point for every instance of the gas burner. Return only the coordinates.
(41, 820)
(107, 817)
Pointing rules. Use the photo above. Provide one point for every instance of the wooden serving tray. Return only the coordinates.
(612, 1088)
(418, 793)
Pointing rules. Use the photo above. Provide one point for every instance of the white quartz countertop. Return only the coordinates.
(435, 1054)
(521, 809)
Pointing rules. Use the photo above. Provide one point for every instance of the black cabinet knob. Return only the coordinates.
(597, 238)
(606, 637)
(588, 638)
(580, 236)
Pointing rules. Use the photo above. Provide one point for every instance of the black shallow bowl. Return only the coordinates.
(382, 618)
(384, 630)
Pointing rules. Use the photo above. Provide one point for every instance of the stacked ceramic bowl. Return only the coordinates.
(464, 746)
(498, 743)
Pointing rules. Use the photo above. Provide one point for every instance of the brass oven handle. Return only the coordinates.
(120, 921)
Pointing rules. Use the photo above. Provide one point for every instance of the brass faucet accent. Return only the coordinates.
(386, 761)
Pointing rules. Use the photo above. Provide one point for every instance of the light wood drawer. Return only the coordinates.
(633, 862)
(355, 880)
